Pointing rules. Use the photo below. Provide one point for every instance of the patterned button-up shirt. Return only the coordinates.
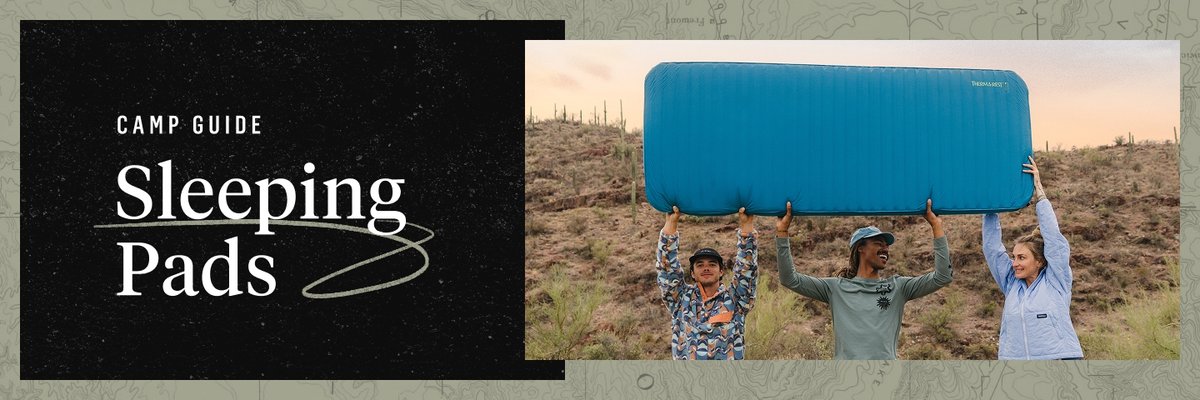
(707, 326)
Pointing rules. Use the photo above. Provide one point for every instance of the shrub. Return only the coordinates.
(598, 250)
(1097, 343)
(600, 213)
(1048, 162)
(925, 351)
(559, 327)
(821, 223)
(1094, 230)
(766, 322)
(622, 151)
(577, 223)
(607, 346)
(1148, 329)
(988, 310)
(937, 322)
(1154, 322)
(697, 219)
(767, 335)
(534, 227)
(816, 347)
(1098, 158)
(1152, 239)
(1156, 181)
(981, 351)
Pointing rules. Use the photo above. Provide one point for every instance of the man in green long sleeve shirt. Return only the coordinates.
(866, 307)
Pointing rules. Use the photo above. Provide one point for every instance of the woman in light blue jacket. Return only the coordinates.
(1036, 282)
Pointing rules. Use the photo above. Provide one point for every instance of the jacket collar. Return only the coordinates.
(705, 296)
(1029, 287)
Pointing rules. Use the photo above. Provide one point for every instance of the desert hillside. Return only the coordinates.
(589, 257)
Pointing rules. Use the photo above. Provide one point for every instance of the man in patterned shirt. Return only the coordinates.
(708, 319)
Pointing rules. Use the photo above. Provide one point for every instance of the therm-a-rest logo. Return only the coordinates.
(989, 84)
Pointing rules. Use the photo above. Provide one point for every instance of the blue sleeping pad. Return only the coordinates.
(835, 140)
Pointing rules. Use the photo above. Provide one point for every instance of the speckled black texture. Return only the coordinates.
(438, 104)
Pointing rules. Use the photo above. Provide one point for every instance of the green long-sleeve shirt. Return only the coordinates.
(866, 312)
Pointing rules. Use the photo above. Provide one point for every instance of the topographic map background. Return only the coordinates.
(710, 19)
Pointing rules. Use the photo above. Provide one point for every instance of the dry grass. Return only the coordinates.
(772, 328)
(1147, 328)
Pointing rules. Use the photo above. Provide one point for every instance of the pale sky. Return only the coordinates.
(1081, 93)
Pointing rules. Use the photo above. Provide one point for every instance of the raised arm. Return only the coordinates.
(998, 261)
(670, 272)
(745, 265)
(1057, 251)
(788, 277)
(942, 273)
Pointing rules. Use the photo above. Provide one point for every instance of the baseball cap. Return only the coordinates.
(707, 252)
(870, 231)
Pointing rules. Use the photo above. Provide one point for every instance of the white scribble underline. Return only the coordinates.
(307, 291)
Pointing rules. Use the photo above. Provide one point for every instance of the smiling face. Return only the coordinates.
(706, 271)
(873, 253)
(1026, 265)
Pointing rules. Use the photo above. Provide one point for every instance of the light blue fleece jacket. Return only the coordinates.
(1036, 324)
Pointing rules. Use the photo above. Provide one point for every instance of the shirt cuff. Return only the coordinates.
(666, 236)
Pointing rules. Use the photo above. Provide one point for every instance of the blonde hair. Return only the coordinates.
(1033, 241)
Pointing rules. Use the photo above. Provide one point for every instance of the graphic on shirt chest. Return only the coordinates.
(883, 301)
